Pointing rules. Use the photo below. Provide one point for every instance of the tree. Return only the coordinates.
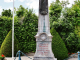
(7, 13)
(66, 24)
(21, 11)
(57, 1)
(73, 15)
(55, 12)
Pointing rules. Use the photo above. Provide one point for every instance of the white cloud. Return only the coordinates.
(21, 0)
(9, 1)
(50, 1)
(27, 4)
(33, 4)
(71, 2)
(0, 9)
(36, 13)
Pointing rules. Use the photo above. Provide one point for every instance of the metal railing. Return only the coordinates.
(18, 54)
(71, 56)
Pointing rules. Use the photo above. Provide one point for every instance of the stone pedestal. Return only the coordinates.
(43, 37)
(43, 41)
(43, 48)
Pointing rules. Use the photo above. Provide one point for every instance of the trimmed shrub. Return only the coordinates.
(58, 47)
(6, 47)
(0, 51)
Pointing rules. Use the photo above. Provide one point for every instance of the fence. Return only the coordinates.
(18, 54)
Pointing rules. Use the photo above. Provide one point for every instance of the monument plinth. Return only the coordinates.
(43, 37)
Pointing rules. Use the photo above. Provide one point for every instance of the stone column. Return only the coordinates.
(43, 37)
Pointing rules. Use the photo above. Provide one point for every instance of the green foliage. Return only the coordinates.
(6, 47)
(0, 51)
(5, 26)
(1, 58)
(58, 47)
(65, 3)
(65, 24)
(73, 16)
(63, 27)
(25, 29)
(21, 11)
(54, 12)
(7, 13)
(77, 30)
(55, 9)
(72, 43)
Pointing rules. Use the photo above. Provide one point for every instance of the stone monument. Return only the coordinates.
(43, 37)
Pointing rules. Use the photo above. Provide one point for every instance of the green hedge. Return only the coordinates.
(58, 47)
(26, 31)
(5, 26)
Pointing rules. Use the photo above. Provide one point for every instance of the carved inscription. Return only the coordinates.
(43, 49)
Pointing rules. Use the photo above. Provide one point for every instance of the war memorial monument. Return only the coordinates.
(43, 36)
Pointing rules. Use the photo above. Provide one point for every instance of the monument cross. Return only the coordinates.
(43, 37)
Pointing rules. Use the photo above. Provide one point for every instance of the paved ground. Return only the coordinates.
(31, 55)
(73, 59)
(26, 58)
(22, 58)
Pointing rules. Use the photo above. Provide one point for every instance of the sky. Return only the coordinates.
(8, 4)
